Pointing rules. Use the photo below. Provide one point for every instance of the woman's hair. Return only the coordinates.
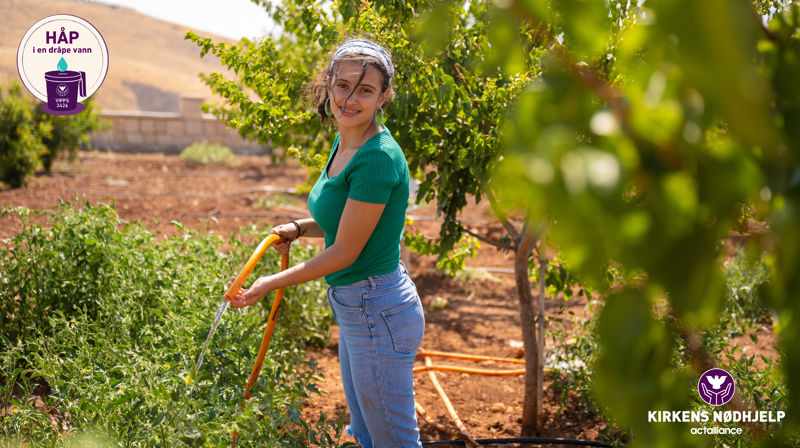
(318, 92)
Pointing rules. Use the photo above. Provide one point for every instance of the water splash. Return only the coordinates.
(222, 308)
(62, 65)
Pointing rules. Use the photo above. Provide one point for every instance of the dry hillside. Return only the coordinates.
(150, 63)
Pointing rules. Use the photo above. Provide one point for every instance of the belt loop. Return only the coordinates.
(371, 282)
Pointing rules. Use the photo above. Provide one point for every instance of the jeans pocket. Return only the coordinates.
(347, 298)
(406, 324)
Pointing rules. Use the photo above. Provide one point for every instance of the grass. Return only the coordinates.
(206, 153)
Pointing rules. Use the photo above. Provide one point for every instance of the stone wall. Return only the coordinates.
(136, 131)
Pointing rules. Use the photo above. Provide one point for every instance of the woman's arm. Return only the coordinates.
(310, 228)
(358, 221)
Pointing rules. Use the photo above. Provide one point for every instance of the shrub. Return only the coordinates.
(30, 137)
(745, 283)
(20, 137)
(68, 133)
(209, 153)
(103, 322)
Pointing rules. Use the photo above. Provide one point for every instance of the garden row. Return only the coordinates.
(102, 321)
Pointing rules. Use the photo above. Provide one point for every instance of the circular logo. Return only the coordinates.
(62, 60)
(716, 387)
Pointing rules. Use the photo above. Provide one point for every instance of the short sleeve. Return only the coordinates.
(372, 178)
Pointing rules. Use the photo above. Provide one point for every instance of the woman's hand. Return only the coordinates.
(247, 297)
(288, 233)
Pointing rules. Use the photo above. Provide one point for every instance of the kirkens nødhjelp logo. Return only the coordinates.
(716, 387)
(62, 60)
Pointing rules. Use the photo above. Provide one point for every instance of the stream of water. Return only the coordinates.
(222, 307)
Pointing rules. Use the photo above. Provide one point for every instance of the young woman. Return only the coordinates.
(358, 205)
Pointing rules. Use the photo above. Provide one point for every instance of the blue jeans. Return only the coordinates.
(380, 329)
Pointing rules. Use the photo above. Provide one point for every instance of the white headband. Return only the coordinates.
(367, 48)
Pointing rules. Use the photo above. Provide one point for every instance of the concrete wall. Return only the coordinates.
(136, 131)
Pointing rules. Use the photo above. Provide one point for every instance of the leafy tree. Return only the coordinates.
(451, 102)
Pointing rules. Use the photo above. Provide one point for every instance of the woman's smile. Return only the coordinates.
(349, 113)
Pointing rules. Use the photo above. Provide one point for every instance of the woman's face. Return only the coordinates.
(364, 100)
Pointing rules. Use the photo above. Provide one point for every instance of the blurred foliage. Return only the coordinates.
(642, 153)
(31, 138)
(760, 383)
(102, 321)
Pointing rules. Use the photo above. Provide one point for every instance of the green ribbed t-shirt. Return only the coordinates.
(377, 173)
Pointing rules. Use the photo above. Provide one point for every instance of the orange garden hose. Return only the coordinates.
(443, 429)
(488, 372)
(436, 354)
(430, 368)
(273, 314)
(422, 353)
(450, 409)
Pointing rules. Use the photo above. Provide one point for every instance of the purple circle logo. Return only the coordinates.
(716, 387)
(62, 90)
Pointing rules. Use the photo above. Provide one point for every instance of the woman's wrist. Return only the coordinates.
(298, 229)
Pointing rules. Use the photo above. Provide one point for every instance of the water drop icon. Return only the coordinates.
(62, 65)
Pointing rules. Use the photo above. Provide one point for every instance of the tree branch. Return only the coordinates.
(528, 244)
(602, 88)
(498, 212)
(767, 32)
(488, 240)
(457, 68)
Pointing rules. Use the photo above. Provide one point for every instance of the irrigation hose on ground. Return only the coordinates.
(422, 353)
(450, 409)
(273, 314)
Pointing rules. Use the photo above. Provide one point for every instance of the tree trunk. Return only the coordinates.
(540, 322)
(532, 406)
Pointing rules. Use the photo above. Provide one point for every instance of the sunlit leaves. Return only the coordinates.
(586, 26)
(435, 27)
(715, 43)
(503, 48)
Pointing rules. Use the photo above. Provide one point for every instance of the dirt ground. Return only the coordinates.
(481, 317)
